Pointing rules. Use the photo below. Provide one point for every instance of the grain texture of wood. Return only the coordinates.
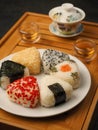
(79, 117)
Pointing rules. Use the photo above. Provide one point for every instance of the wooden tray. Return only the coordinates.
(75, 119)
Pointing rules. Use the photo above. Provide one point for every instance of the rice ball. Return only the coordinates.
(68, 71)
(29, 57)
(54, 91)
(24, 91)
(50, 58)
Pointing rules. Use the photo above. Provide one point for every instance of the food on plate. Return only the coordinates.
(50, 58)
(24, 91)
(54, 91)
(11, 71)
(30, 58)
(68, 71)
(48, 90)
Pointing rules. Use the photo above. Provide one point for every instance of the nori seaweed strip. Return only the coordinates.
(59, 93)
(12, 70)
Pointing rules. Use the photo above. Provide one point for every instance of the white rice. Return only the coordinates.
(72, 76)
(47, 98)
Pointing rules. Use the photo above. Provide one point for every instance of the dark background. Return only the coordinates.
(12, 10)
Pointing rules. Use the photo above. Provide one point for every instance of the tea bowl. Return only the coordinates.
(67, 18)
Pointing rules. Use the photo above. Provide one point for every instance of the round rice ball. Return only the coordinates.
(68, 71)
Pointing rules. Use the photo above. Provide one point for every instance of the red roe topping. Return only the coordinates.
(24, 91)
(65, 68)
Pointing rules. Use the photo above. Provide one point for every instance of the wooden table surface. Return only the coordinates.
(79, 117)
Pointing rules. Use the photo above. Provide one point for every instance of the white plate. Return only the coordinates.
(53, 30)
(77, 96)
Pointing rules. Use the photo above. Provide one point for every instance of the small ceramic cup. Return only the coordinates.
(29, 32)
(85, 49)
